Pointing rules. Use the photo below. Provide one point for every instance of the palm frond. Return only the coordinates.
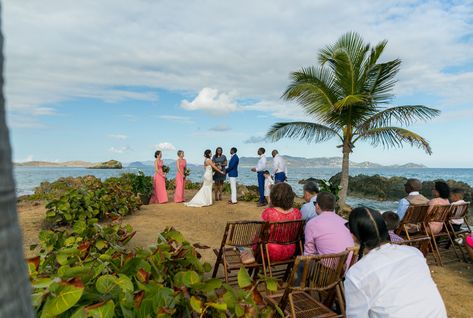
(381, 80)
(311, 132)
(404, 115)
(313, 89)
(394, 137)
(350, 100)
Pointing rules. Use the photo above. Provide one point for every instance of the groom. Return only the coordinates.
(232, 171)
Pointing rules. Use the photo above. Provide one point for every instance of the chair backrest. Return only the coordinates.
(415, 214)
(285, 232)
(459, 211)
(438, 213)
(243, 233)
(319, 273)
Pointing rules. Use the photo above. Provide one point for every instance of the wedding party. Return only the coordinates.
(217, 168)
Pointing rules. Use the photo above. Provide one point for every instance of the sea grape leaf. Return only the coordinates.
(271, 284)
(67, 297)
(106, 284)
(244, 279)
(218, 306)
(103, 311)
(196, 304)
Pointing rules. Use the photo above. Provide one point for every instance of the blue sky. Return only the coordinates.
(95, 80)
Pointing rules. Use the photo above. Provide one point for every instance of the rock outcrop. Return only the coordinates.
(111, 164)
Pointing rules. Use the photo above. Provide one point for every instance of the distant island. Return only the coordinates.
(324, 162)
(299, 162)
(72, 164)
(111, 164)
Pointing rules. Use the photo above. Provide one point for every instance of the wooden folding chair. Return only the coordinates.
(321, 275)
(421, 243)
(283, 233)
(440, 214)
(459, 211)
(413, 226)
(237, 234)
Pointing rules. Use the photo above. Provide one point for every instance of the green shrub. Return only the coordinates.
(92, 202)
(87, 272)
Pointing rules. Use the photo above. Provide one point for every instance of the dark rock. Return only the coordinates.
(111, 164)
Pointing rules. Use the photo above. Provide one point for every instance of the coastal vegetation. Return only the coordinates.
(346, 95)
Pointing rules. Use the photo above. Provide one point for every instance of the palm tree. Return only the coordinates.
(346, 96)
(15, 293)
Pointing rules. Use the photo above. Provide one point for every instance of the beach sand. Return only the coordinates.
(206, 226)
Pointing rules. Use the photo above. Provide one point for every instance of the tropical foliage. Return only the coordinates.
(92, 201)
(346, 97)
(89, 272)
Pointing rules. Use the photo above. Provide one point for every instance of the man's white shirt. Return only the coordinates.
(261, 165)
(279, 164)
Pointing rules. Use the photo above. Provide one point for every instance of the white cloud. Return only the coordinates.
(177, 119)
(119, 150)
(28, 158)
(165, 146)
(220, 128)
(210, 100)
(118, 136)
(255, 139)
(185, 46)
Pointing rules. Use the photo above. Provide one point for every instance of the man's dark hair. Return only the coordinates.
(326, 201)
(262, 150)
(311, 187)
(443, 189)
(266, 172)
(413, 185)
(282, 196)
(392, 220)
(234, 150)
(368, 227)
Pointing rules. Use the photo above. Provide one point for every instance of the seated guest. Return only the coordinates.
(310, 196)
(389, 280)
(441, 193)
(412, 188)
(392, 222)
(457, 199)
(326, 233)
(282, 200)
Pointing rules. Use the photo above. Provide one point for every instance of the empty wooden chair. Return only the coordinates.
(421, 243)
(284, 233)
(248, 234)
(318, 288)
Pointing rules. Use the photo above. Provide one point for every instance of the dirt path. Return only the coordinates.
(206, 225)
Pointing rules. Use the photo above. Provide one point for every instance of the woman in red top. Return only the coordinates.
(282, 200)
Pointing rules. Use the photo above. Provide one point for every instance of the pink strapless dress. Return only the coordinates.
(160, 194)
(180, 182)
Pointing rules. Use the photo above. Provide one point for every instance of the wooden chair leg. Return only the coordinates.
(341, 299)
(436, 248)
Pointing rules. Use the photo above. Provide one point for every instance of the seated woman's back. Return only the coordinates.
(392, 281)
(282, 199)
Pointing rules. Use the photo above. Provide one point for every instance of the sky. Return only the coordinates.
(113, 79)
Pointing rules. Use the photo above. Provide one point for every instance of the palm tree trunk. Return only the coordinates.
(15, 293)
(344, 178)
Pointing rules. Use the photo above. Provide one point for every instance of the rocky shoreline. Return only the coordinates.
(381, 188)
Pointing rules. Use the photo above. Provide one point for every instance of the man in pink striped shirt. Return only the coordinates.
(326, 233)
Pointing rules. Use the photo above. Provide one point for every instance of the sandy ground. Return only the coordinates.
(206, 226)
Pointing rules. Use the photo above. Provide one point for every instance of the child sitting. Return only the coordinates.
(268, 183)
(457, 198)
(392, 222)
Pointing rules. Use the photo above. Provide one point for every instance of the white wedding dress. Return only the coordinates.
(204, 196)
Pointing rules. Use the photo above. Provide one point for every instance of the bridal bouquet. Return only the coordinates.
(187, 172)
(165, 169)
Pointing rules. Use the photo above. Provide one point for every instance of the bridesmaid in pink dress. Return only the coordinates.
(180, 177)
(160, 195)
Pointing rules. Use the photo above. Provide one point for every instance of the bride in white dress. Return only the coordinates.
(204, 196)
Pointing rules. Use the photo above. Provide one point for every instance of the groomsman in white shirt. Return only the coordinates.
(279, 167)
(259, 169)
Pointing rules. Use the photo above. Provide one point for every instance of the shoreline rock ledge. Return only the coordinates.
(111, 164)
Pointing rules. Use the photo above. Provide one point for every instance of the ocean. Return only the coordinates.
(27, 178)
